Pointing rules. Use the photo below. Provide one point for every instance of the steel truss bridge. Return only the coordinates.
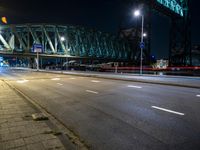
(180, 30)
(179, 13)
(63, 41)
(81, 42)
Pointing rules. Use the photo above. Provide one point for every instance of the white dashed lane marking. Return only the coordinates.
(133, 86)
(22, 81)
(59, 83)
(95, 81)
(94, 92)
(167, 110)
(55, 79)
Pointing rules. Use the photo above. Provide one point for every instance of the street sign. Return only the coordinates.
(37, 48)
(142, 45)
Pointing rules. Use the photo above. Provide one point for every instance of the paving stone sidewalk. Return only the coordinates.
(18, 130)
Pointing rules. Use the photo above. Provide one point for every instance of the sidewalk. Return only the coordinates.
(18, 130)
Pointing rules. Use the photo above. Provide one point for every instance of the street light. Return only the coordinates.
(137, 13)
(144, 35)
(62, 38)
(4, 20)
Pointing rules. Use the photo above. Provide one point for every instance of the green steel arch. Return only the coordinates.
(63, 40)
(179, 14)
(177, 6)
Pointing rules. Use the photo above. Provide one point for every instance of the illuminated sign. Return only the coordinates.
(37, 48)
(172, 5)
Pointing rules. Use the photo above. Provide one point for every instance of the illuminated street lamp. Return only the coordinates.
(144, 35)
(62, 38)
(4, 20)
(137, 13)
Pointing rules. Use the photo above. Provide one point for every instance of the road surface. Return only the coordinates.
(115, 114)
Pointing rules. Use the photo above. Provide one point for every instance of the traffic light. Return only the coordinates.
(4, 20)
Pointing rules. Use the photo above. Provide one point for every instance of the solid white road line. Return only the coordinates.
(59, 84)
(72, 78)
(198, 95)
(137, 87)
(89, 91)
(95, 81)
(167, 110)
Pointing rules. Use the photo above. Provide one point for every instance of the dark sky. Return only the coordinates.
(105, 15)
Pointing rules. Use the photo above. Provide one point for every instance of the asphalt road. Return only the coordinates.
(114, 114)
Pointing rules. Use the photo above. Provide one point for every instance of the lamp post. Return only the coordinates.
(38, 61)
(138, 13)
(62, 38)
(67, 64)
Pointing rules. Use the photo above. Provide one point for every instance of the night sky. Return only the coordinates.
(104, 15)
